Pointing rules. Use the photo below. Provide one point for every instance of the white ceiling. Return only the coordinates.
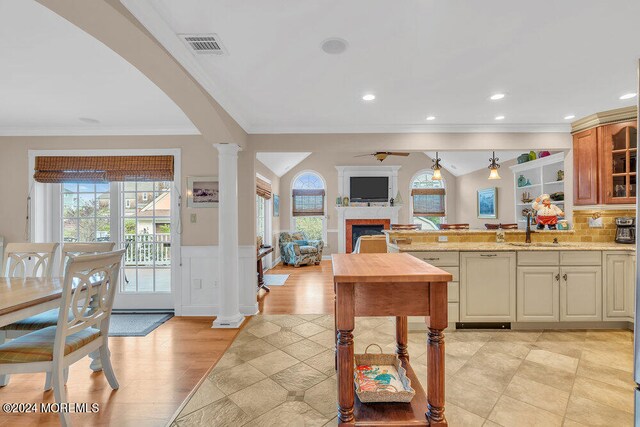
(52, 73)
(281, 163)
(419, 57)
(463, 162)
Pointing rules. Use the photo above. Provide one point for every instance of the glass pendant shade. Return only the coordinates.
(494, 174)
(437, 176)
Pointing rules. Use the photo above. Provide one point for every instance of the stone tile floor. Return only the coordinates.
(279, 372)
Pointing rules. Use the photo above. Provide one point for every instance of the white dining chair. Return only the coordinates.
(49, 318)
(83, 326)
(29, 259)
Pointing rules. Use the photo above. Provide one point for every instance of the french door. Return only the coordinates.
(138, 216)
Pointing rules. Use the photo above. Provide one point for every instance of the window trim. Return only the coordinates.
(444, 186)
(292, 219)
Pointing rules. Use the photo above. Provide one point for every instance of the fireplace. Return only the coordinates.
(362, 227)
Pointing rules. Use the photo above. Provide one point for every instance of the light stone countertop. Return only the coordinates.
(509, 246)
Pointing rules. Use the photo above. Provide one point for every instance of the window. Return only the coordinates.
(260, 219)
(428, 201)
(86, 212)
(307, 207)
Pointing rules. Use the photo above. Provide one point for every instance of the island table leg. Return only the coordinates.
(401, 337)
(437, 322)
(345, 323)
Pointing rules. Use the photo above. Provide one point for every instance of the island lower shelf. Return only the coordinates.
(395, 414)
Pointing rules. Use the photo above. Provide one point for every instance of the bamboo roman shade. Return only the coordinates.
(263, 188)
(95, 169)
(428, 201)
(308, 202)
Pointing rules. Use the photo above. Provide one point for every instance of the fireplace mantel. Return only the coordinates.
(362, 212)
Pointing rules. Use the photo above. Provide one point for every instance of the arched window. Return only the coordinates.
(308, 205)
(428, 200)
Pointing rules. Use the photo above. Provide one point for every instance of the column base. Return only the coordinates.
(233, 322)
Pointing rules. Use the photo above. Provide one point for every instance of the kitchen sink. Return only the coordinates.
(544, 244)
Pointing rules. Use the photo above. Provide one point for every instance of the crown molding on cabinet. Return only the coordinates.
(605, 117)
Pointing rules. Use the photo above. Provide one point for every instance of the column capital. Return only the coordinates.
(227, 148)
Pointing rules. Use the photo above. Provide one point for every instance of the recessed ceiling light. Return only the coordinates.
(499, 117)
(369, 97)
(497, 96)
(334, 45)
(569, 117)
(628, 96)
(89, 120)
(431, 118)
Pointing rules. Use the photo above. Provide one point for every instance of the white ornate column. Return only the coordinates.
(229, 284)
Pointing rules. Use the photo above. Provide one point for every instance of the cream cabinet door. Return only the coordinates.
(581, 293)
(538, 294)
(488, 287)
(619, 284)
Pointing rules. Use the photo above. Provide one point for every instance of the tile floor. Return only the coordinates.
(279, 371)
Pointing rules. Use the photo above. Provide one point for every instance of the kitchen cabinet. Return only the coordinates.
(619, 152)
(488, 287)
(585, 168)
(604, 158)
(538, 296)
(619, 285)
(580, 293)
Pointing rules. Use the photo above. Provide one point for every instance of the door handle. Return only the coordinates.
(489, 255)
(558, 277)
(564, 276)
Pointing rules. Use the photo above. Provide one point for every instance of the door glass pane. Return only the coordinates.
(620, 140)
(633, 138)
(619, 162)
(632, 186)
(619, 186)
(146, 221)
(85, 212)
(633, 154)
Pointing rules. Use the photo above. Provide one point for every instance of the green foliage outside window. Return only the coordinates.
(311, 226)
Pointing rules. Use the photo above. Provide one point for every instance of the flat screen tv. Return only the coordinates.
(369, 189)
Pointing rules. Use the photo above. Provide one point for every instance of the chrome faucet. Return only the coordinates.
(527, 238)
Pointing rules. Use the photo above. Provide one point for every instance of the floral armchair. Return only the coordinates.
(297, 250)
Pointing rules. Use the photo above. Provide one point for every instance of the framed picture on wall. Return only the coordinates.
(202, 192)
(488, 203)
(276, 205)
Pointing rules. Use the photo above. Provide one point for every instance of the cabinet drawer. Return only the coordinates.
(453, 292)
(580, 258)
(453, 312)
(538, 258)
(455, 272)
(439, 259)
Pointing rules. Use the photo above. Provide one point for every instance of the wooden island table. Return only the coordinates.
(390, 284)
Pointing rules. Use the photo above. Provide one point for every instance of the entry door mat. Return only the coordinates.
(136, 324)
(275, 279)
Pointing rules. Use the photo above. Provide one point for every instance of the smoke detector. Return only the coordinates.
(204, 44)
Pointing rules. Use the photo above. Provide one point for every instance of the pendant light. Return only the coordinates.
(493, 167)
(437, 176)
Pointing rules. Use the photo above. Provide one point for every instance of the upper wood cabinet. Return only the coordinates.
(585, 168)
(619, 152)
(604, 158)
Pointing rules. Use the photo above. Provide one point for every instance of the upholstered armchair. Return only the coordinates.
(297, 250)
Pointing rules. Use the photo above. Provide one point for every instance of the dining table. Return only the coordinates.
(22, 297)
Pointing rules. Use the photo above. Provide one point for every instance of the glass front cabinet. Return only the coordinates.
(619, 152)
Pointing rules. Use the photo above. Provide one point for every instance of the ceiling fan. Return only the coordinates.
(381, 155)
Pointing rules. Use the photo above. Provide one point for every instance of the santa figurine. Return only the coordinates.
(546, 213)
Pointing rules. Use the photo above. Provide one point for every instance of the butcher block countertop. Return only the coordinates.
(509, 246)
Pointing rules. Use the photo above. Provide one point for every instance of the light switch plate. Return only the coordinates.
(194, 218)
(443, 238)
(197, 283)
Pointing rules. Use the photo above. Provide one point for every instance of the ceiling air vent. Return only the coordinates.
(204, 43)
